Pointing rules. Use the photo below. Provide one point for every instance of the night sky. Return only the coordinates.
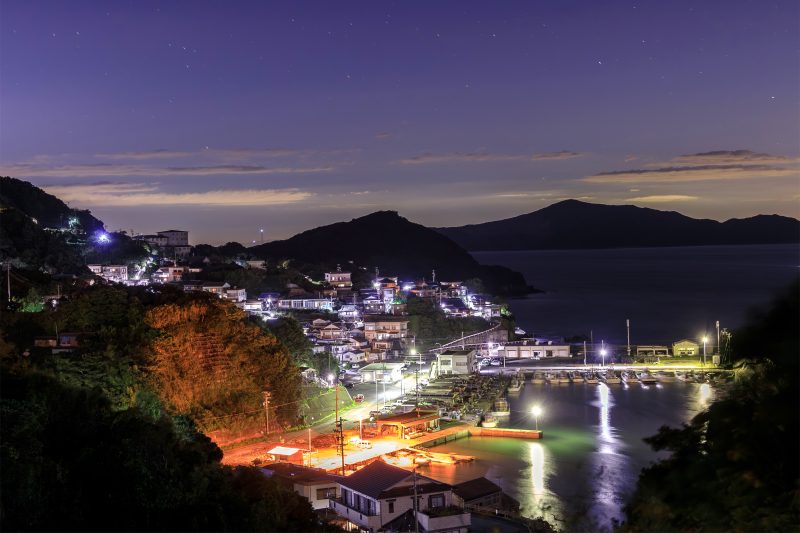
(222, 118)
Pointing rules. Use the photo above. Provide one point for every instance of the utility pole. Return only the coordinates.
(340, 440)
(267, 396)
(719, 351)
(416, 503)
(628, 325)
(584, 353)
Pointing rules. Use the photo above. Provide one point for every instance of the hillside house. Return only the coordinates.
(379, 494)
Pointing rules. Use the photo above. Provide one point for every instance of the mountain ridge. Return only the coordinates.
(573, 224)
(396, 246)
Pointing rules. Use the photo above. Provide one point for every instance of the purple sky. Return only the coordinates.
(226, 117)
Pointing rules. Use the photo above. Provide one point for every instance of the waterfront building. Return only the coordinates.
(685, 347)
(409, 425)
(652, 351)
(478, 492)
(456, 362)
(381, 372)
(533, 350)
(378, 495)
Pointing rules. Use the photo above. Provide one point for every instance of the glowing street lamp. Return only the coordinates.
(103, 238)
(705, 341)
(603, 353)
(330, 379)
(536, 411)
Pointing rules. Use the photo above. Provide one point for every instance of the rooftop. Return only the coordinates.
(412, 416)
(476, 488)
(375, 478)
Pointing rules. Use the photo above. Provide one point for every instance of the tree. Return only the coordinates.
(735, 466)
(208, 360)
(71, 463)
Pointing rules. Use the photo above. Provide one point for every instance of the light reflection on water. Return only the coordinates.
(579, 475)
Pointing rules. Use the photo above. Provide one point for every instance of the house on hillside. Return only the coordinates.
(382, 497)
(316, 485)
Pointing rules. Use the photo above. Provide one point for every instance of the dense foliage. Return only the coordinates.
(208, 360)
(735, 466)
(428, 323)
(72, 463)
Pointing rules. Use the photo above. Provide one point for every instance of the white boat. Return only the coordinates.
(489, 421)
(573, 377)
(549, 377)
(680, 375)
(563, 377)
(590, 378)
(610, 377)
(629, 377)
(538, 378)
(647, 378)
(516, 383)
(666, 377)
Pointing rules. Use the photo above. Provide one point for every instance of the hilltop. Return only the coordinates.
(573, 224)
(395, 246)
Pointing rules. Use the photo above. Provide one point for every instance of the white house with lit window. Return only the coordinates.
(385, 327)
(385, 497)
(456, 362)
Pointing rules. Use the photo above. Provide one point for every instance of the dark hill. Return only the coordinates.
(572, 224)
(396, 246)
(48, 210)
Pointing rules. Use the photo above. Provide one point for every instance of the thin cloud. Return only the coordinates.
(121, 170)
(676, 174)
(243, 153)
(723, 157)
(383, 135)
(131, 195)
(555, 156)
(483, 157)
(663, 198)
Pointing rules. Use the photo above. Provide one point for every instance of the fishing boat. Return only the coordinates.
(538, 378)
(489, 421)
(516, 383)
(647, 378)
(501, 407)
(549, 377)
(629, 378)
(666, 377)
(610, 377)
(573, 377)
(563, 377)
(680, 375)
(590, 378)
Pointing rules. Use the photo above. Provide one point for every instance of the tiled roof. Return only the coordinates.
(424, 486)
(475, 488)
(375, 478)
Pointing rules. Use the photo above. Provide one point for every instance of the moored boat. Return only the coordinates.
(590, 378)
(563, 377)
(666, 376)
(610, 377)
(501, 407)
(538, 378)
(549, 377)
(489, 421)
(647, 378)
(628, 377)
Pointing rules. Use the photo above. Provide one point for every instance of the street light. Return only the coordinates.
(536, 411)
(705, 340)
(603, 353)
